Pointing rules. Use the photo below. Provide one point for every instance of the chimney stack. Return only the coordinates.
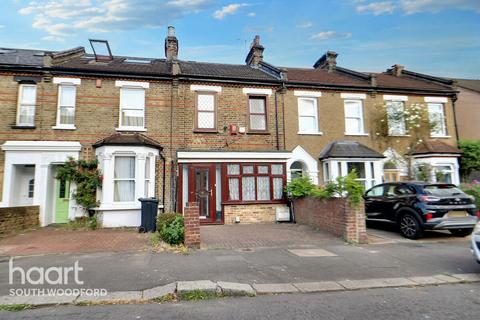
(397, 70)
(373, 80)
(171, 45)
(255, 55)
(328, 61)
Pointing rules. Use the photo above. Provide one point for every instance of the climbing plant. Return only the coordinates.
(86, 176)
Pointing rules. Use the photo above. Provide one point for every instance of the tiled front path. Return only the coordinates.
(57, 240)
(261, 235)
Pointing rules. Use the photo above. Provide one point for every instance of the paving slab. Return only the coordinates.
(38, 299)
(376, 283)
(318, 286)
(427, 280)
(447, 279)
(274, 288)
(158, 292)
(112, 296)
(468, 277)
(236, 289)
(313, 252)
(201, 285)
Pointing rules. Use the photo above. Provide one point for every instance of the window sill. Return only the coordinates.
(441, 137)
(258, 132)
(64, 127)
(357, 134)
(138, 129)
(399, 135)
(254, 202)
(319, 133)
(19, 126)
(205, 131)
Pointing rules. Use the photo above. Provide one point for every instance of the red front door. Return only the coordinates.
(201, 189)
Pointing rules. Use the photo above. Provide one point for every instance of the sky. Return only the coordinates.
(437, 37)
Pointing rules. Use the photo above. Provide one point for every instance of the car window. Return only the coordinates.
(403, 190)
(375, 192)
(391, 191)
(442, 190)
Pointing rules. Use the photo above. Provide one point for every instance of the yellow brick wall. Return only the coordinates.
(251, 213)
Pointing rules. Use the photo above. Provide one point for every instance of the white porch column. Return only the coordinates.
(140, 176)
(7, 183)
(41, 195)
(108, 173)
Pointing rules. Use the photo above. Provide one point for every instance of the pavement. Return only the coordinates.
(309, 265)
(459, 301)
(54, 240)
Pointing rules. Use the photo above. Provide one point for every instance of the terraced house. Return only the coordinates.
(226, 136)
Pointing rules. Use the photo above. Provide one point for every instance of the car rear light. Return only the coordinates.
(478, 213)
(428, 216)
(428, 199)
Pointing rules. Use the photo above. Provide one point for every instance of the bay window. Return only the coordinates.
(124, 179)
(396, 118)
(257, 113)
(255, 182)
(27, 97)
(206, 118)
(436, 115)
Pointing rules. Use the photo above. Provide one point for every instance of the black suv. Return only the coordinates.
(416, 206)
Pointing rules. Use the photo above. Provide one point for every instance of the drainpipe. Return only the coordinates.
(454, 99)
(163, 184)
(276, 121)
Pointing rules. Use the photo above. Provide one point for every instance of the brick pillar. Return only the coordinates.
(355, 224)
(191, 216)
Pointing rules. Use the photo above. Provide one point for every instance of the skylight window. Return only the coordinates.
(101, 50)
(137, 60)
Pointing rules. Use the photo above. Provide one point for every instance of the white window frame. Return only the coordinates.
(450, 171)
(443, 128)
(20, 104)
(134, 179)
(121, 127)
(404, 128)
(315, 105)
(148, 176)
(65, 126)
(361, 131)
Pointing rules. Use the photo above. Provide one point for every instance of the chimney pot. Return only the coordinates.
(171, 31)
(171, 45)
(397, 70)
(255, 55)
(328, 60)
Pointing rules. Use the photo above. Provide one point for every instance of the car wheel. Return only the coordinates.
(410, 227)
(461, 232)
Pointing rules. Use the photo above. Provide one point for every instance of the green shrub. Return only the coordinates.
(346, 186)
(470, 160)
(300, 187)
(171, 228)
(472, 189)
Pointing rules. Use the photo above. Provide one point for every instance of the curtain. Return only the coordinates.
(67, 115)
(263, 188)
(233, 189)
(277, 188)
(248, 188)
(124, 175)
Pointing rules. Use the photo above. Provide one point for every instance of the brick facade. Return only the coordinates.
(333, 215)
(251, 213)
(18, 218)
(192, 225)
(331, 122)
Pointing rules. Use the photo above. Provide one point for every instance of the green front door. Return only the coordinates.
(62, 197)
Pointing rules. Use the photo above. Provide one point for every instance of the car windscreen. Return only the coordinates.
(442, 190)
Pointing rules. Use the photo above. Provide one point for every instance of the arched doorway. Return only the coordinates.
(297, 169)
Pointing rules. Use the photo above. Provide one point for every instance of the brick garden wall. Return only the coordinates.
(333, 215)
(251, 213)
(18, 218)
(191, 218)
